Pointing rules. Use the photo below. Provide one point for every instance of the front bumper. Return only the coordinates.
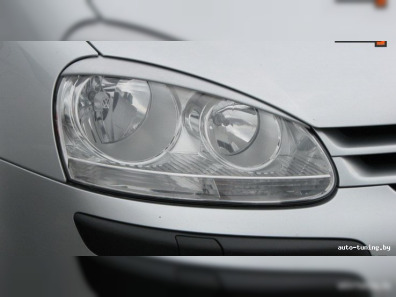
(37, 216)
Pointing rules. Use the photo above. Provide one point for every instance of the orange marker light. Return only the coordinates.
(380, 43)
(380, 3)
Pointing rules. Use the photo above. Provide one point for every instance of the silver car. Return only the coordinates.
(197, 148)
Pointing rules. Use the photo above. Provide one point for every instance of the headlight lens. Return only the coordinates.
(241, 136)
(110, 110)
(157, 140)
(231, 127)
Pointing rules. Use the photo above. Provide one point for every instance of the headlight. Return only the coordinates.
(152, 139)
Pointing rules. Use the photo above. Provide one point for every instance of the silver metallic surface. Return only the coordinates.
(28, 73)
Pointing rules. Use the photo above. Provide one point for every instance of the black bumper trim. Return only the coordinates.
(112, 238)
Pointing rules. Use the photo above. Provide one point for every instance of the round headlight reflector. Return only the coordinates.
(241, 136)
(110, 109)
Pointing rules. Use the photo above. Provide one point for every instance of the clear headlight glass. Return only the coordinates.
(157, 140)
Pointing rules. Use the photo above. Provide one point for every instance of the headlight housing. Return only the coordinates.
(153, 139)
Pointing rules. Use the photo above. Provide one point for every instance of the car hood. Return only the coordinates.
(324, 84)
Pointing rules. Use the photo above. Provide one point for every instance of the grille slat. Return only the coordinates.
(359, 140)
(364, 156)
